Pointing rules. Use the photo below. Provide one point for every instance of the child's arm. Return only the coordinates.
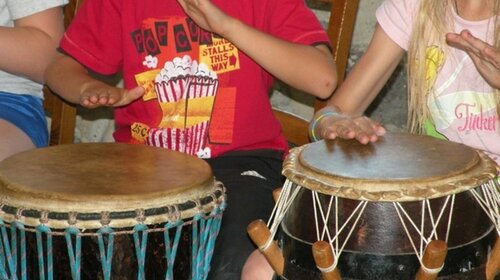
(307, 68)
(485, 57)
(343, 117)
(28, 47)
(71, 80)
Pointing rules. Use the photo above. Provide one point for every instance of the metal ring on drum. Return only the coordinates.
(405, 207)
(107, 211)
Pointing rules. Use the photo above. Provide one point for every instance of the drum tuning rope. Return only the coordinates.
(360, 208)
(140, 243)
(432, 271)
(490, 201)
(285, 200)
(106, 250)
(425, 204)
(105, 220)
(19, 213)
(40, 230)
(75, 253)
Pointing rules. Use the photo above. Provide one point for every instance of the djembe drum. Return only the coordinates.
(107, 211)
(405, 207)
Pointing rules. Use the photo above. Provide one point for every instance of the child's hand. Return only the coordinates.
(486, 58)
(361, 128)
(206, 15)
(95, 94)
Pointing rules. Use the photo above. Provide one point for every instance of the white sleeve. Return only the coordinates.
(22, 8)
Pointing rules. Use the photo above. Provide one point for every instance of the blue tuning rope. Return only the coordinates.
(171, 248)
(14, 228)
(75, 255)
(3, 268)
(208, 244)
(106, 253)
(210, 232)
(200, 261)
(8, 256)
(41, 229)
(140, 248)
(214, 232)
(194, 249)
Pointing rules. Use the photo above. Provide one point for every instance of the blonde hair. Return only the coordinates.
(433, 20)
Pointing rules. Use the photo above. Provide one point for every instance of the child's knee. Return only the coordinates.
(257, 268)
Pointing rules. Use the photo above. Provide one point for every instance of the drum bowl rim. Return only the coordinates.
(484, 171)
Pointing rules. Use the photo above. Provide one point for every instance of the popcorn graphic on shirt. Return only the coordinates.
(150, 61)
(186, 92)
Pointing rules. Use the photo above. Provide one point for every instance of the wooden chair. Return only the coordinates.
(62, 114)
(340, 30)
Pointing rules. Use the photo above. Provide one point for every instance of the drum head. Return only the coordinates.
(104, 177)
(398, 167)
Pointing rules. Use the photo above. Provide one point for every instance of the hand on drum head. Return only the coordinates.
(361, 128)
(96, 93)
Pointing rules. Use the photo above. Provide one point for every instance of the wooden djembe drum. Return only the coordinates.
(405, 207)
(107, 211)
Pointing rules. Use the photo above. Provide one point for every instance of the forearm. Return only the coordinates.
(66, 77)
(369, 75)
(304, 67)
(361, 87)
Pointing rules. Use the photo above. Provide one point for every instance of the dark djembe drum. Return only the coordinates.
(107, 211)
(405, 207)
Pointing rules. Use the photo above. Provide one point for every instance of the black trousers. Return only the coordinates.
(249, 180)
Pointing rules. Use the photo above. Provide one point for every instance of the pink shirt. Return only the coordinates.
(463, 108)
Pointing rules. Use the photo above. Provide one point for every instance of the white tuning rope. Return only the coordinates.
(490, 201)
(318, 212)
(331, 267)
(320, 236)
(316, 200)
(284, 202)
(450, 216)
(441, 213)
(432, 271)
(361, 204)
(396, 206)
(422, 225)
(421, 232)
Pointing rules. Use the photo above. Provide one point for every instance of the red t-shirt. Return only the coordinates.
(203, 96)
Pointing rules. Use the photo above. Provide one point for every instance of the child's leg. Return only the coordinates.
(257, 268)
(13, 140)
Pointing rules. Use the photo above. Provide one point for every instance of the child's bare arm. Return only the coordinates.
(307, 68)
(28, 47)
(71, 81)
(356, 93)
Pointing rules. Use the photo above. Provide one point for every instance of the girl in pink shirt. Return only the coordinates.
(453, 95)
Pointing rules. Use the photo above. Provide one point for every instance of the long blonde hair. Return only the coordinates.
(433, 20)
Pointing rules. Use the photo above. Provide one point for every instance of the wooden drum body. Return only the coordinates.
(107, 211)
(379, 205)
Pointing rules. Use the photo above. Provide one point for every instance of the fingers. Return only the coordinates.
(474, 46)
(363, 129)
(98, 94)
(493, 54)
(131, 95)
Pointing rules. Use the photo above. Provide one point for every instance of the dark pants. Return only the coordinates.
(249, 197)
